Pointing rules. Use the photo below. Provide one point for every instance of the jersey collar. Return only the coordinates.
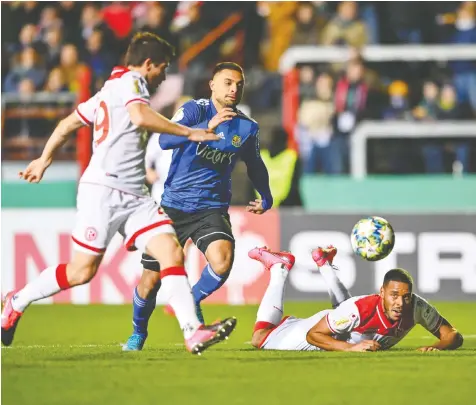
(117, 72)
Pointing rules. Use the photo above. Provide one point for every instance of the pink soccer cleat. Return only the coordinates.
(207, 336)
(324, 255)
(268, 258)
(10, 319)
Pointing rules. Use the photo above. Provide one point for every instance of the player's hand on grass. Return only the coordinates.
(256, 207)
(365, 346)
(226, 114)
(35, 170)
(428, 349)
(202, 135)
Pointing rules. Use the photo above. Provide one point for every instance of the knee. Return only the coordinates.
(176, 255)
(221, 261)
(166, 250)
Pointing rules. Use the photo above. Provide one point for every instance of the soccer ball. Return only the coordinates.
(372, 238)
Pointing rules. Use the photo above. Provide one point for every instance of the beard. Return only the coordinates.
(224, 102)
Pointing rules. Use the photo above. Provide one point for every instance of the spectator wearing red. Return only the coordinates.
(118, 17)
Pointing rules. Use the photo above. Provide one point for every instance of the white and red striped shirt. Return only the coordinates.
(364, 318)
(118, 145)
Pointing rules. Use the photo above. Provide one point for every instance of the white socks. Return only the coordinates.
(271, 307)
(45, 285)
(337, 291)
(176, 290)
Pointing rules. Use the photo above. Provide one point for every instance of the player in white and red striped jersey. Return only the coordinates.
(112, 196)
(364, 323)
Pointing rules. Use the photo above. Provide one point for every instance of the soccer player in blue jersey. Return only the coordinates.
(198, 190)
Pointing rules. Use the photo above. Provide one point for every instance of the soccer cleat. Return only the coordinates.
(10, 319)
(209, 335)
(269, 258)
(324, 255)
(135, 343)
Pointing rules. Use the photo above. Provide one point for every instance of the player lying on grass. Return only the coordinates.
(112, 196)
(198, 190)
(364, 323)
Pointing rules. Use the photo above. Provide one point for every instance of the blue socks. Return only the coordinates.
(142, 310)
(209, 282)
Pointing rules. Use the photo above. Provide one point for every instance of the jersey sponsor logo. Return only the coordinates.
(221, 135)
(236, 141)
(214, 155)
(342, 321)
(178, 116)
(90, 234)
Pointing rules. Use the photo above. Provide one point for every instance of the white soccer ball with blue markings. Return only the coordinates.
(372, 238)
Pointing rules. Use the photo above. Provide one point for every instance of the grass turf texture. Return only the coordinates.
(71, 355)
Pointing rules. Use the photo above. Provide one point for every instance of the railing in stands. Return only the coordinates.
(372, 53)
(27, 121)
(228, 24)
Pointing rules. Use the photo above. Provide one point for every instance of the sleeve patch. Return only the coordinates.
(179, 115)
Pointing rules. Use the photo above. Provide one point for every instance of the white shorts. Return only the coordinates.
(103, 211)
(291, 333)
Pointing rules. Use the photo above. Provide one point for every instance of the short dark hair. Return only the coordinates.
(145, 45)
(400, 275)
(227, 66)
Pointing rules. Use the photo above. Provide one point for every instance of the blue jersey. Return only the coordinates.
(200, 174)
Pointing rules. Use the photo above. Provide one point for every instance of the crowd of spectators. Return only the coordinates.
(47, 45)
(335, 97)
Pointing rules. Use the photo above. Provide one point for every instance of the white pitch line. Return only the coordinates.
(70, 346)
(57, 346)
(432, 337)
(173, 344)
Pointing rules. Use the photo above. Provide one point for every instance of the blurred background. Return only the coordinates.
(365, 108)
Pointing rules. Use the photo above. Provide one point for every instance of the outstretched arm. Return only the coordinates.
(320, 335)
(145, 117)
(258, 174)
(449, 338)
(63, 131)
(190, 115)
(429, 317)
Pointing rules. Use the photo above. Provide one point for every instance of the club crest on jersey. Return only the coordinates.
(90, 234)
(236, 141)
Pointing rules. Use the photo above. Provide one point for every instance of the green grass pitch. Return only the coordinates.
(66, 355)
